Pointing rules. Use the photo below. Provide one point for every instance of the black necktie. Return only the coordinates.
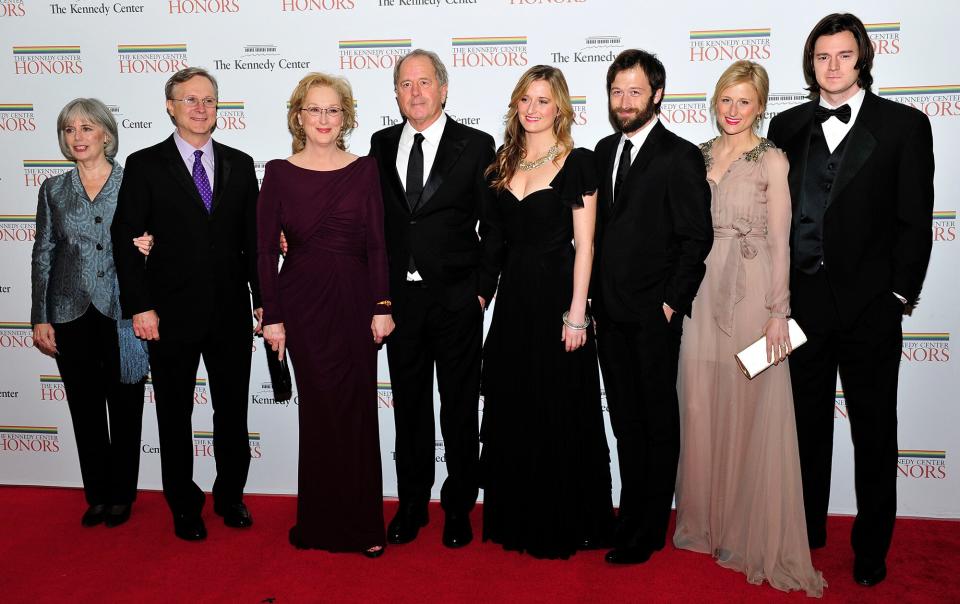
(622, 168)
(414, 183)
(415, 172)
(842, 113)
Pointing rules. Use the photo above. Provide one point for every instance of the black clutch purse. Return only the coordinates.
(279, 374)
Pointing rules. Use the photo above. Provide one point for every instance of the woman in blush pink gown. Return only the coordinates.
(739, 496)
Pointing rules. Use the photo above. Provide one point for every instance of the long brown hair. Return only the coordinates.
(514, 140)
(831, 25)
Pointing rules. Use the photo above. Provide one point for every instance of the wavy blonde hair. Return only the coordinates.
(312, 80)
(514, 137)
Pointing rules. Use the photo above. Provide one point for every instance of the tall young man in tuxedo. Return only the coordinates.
(861, 180)
(191, 298)
(653, 233)
(442, 274)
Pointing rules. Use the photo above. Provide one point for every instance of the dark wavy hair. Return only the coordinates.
(834, 24)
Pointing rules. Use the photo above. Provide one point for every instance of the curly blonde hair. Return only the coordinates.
(312, 80)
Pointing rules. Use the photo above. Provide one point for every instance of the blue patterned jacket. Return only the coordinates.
(73, 254)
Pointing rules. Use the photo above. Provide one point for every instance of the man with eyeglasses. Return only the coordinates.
(192, 298)
(442, 275)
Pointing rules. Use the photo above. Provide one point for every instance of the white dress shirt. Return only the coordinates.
(637, 138)
(833, 129)
(431, 140)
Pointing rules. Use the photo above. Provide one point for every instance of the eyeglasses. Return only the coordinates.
(315, 112)
(193, 101)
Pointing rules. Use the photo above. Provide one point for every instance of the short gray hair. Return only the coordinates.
(438, 65)
(182, 76)
(96, 112)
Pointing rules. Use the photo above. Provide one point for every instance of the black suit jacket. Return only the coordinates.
(651, 244)
(202, 269)
(876, 231)
(455, 262)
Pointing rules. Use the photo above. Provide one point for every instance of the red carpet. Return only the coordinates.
(46, 556)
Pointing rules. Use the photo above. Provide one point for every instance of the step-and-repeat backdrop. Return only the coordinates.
(123, 51)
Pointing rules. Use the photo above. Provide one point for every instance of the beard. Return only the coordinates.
(635, 121)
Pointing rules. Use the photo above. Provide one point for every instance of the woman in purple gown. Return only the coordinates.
(329, 305)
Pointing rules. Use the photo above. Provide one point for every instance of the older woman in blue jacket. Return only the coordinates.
(76, 311)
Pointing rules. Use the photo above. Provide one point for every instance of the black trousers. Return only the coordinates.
(174, 367)
(867, 355)
(639, 366)
(106, 414)
(428, 335)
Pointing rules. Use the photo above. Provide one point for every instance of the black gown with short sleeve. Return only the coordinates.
(545, 462)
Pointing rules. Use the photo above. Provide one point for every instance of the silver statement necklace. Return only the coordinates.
(551, 155)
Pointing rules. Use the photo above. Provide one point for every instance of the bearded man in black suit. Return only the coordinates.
(654, 232)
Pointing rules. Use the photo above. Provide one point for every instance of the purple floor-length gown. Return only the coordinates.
(325, 294)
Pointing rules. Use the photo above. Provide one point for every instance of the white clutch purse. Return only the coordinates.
(753, 359)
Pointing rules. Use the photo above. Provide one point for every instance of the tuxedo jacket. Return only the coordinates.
(201, 271)
(876, 226)
(652, 241)
(456, 263)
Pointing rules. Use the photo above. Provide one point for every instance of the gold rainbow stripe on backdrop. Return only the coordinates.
(46, 50)
(709, 34)
(690, 97)
(491, 41)
(208, 434)
(941, 89)
(881, 27)
(922, 454)
(139, 48)
(15, 325)
(47, 163)
(29, 429)
(931, 336)
(385, 43)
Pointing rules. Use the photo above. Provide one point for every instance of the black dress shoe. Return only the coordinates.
(406, 524)
(118, 514)
(294, 536)
(628, 555)
(189, 527)
(456, 530)
(374, 552)
(235, 515)
(594, 542)
(868, 574)
(94, 515)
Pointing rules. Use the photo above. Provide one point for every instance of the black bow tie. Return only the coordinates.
(842, 113)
